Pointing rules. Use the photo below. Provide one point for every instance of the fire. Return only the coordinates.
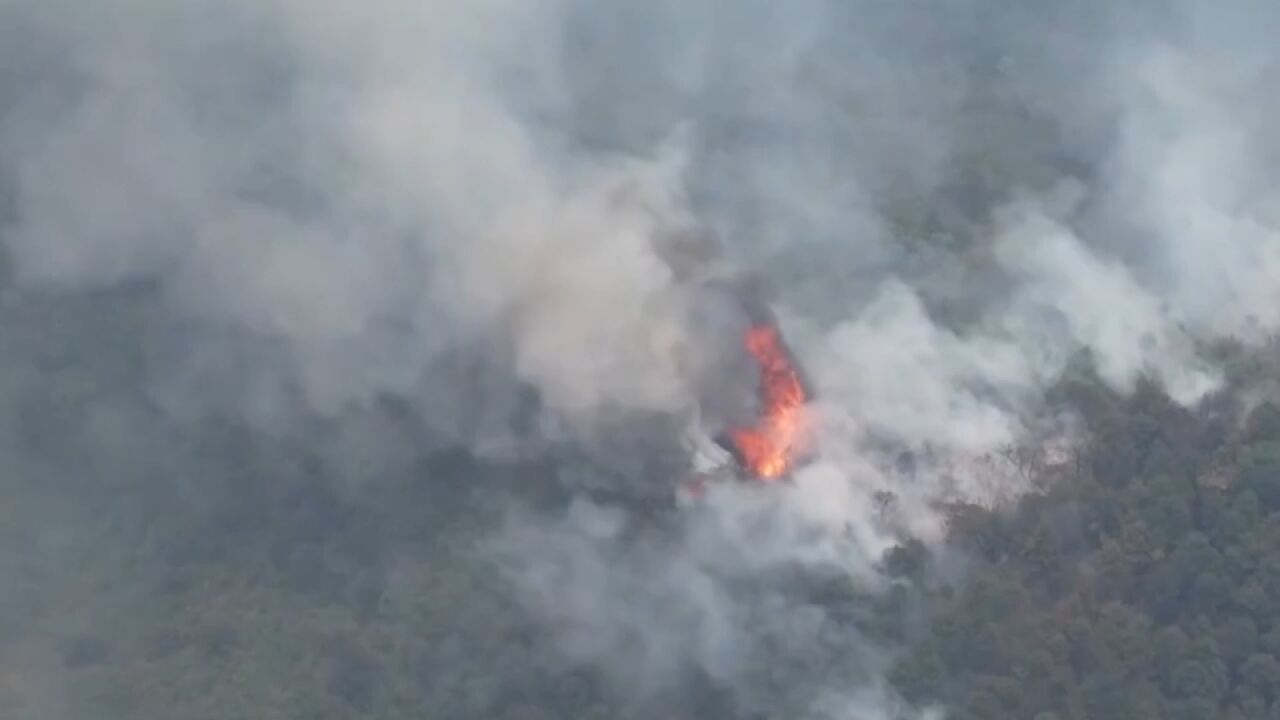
(769, 447)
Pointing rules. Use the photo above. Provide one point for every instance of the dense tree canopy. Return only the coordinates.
(1142, 582)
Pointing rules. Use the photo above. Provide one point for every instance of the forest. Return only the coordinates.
(1139, 581)
(366, 360)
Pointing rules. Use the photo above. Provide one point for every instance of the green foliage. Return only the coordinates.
(1145, 584)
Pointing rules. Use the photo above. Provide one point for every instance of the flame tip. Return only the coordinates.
(768, 448)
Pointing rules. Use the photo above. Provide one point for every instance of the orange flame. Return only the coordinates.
(768, 448)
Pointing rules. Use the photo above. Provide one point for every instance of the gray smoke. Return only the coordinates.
(457, 205)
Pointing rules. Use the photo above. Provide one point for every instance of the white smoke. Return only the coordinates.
(435, 218)
(340, 201)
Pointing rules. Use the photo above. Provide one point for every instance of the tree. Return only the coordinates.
(1261, 673)
(1169, 609)
(1260, 472)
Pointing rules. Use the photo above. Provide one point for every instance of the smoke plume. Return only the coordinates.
(506, 221)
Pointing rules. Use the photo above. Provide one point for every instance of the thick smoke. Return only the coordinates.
(378, 206)
(460, 205)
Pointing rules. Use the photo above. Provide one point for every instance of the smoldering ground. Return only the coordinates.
(339, 312)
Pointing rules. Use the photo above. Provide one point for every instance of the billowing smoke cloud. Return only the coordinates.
(457, 204)
(381, 205)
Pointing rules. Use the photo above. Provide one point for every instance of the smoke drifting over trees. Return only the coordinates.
(353, 350)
